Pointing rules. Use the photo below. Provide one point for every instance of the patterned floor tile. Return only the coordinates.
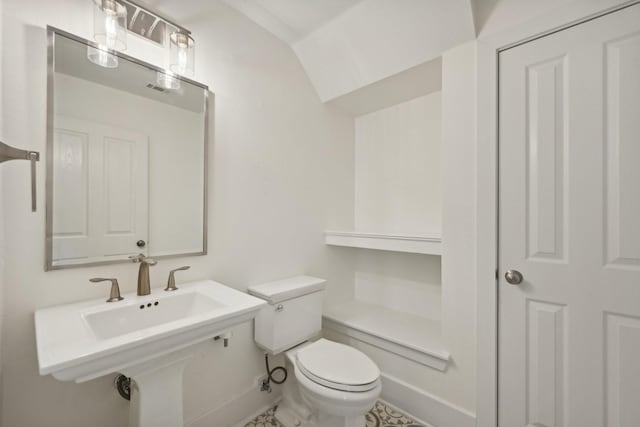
(380, 415)
(265, 419)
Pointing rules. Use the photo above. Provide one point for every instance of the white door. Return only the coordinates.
(569, 334)
(100, 194)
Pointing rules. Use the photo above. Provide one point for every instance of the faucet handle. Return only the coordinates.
(171, 283)
(114, 295)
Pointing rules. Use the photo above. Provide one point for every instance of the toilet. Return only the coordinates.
(329, 384)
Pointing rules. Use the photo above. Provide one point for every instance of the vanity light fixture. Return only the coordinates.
(110, 24)
(113, 18)
(182, 53)
(109, 31)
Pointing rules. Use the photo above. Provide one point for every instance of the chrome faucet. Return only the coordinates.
(144, 287)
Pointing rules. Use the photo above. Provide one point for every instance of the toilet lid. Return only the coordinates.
(337, 366)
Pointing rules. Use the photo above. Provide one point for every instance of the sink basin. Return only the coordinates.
(107, 322)
(82, 341)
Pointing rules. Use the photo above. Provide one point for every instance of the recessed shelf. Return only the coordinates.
(430, 245)
(408, 335)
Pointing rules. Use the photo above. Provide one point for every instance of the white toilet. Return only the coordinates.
(329, 384)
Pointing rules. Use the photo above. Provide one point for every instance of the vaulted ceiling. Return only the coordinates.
(345, 45)
(291, 20)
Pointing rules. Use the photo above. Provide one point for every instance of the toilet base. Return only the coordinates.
(289, 417)
(294, 411)
(325, 420)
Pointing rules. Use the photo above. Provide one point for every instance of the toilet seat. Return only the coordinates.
(337, 366)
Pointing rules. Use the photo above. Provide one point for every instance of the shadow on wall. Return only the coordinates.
(482, 10)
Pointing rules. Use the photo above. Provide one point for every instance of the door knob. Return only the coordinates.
(141, 243)
(514, 277)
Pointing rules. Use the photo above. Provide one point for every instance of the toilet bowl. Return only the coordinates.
(333, 385)
(329, 384)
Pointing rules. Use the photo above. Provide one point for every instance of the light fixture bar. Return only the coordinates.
(150, 24)
(157, 14)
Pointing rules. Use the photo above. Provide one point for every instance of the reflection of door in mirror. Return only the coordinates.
(127, 160)
(100, 191)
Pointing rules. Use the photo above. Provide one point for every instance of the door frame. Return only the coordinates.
(487, 191)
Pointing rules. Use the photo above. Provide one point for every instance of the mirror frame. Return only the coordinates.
(52, 33)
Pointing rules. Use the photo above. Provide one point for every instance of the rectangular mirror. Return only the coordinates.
(126, 157)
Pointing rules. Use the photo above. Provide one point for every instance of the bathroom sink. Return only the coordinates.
(107, 322)
(82, 341)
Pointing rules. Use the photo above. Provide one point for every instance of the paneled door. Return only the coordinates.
(100, 197)
(569, 233)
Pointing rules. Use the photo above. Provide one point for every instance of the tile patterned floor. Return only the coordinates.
(380, 415)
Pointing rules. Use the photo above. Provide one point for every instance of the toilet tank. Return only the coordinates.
(294, 313)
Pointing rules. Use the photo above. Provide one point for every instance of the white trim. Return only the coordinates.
(435, 357)
(487, 196)
(429, 245)
(422, 406)
(234, 411)
(486, 202)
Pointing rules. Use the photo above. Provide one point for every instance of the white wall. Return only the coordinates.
(281, 171)
(458, 220)
(176, 149)
(398, 185)
(409, 283)
(379, 38)
(496, 15)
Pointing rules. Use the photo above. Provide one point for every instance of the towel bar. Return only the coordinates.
(8, 152)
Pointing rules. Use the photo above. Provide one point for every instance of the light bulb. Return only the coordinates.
(181, 53)
(182, 60)
(109, 24)
(111, 31)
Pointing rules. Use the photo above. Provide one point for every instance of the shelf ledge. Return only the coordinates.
(406, 335)
(429, 245)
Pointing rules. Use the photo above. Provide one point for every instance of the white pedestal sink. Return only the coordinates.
(156, 395)
(149, 339)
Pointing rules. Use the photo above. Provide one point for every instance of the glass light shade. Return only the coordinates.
(102, 57)
(167, 80)
(110, 24)
(182, 53)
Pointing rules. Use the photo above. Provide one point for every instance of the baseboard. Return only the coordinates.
(422, 406)
(1, 396)
(418, 404)
(258, 412)
(237, 410)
